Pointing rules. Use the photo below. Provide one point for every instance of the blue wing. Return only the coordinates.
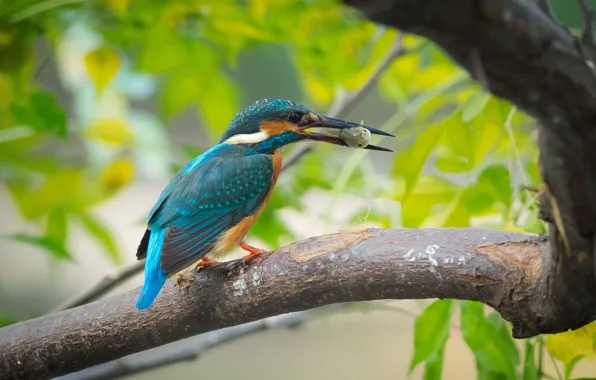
(212, 197)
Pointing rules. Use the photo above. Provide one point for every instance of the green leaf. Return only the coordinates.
(432, 193)
(433, 368)
(474, 105)
(219, 104)
(179, 92)
(530, 372)
(410, 162)
(490, 341)
(497, 181)
(571, 365)
(431, 331)
(477, 199)
(103, 236)
(56, 225)
(459, 215)
(19, 10)
(42, 113)
(53, 245)
(163, 51)
(452, 164)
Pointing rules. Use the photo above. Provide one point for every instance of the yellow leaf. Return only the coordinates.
(433, 75)
(317, 89)
(174, 14)
(570, 344)
(117, 174)
(240, 28)
(102, 65)
(258, 8)
(110, 131)
(406, 65)
(118, 6)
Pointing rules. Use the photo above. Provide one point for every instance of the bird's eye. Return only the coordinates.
(294, 117)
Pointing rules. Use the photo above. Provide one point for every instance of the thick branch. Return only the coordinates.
(499, 268)
(519, 53)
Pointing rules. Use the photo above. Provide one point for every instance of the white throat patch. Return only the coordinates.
(249, 138)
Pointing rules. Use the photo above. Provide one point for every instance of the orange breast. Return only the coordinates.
(236, 234)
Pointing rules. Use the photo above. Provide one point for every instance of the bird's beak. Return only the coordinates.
(332, 123)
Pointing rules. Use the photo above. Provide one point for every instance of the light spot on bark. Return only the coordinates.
(508, 15)
(432, 261)
(432, 249)
(581, 256)
(306, 250)
(524, 255)
(239, 287)
(256, 278)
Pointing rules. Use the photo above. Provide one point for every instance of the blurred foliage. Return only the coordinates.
(465, 158)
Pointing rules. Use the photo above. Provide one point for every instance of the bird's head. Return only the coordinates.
(270, 124)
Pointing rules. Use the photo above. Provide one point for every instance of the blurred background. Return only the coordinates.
(101, 102)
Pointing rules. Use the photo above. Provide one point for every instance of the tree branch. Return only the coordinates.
(192, 348)
(530, 60)
(502, 269)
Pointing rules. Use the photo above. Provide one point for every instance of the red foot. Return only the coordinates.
(205, 261)
(253, 251)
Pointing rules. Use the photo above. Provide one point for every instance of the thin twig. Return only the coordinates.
(339, 109)
(545, 7)
(343, 105)
(106, 284)
(587, 18)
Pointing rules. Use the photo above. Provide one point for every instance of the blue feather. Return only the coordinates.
(155, 277)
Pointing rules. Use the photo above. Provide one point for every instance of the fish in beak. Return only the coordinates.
(350, 134)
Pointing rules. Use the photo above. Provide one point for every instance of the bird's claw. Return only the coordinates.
(205, 262)
(252, 255)
(253, 252)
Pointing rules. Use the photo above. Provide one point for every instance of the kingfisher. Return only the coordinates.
(209, 206)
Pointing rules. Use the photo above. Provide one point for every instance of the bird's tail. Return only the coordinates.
(155, 277)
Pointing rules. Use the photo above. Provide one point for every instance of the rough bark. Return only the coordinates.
(541, 286)
(501, 269)
(518, 52)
